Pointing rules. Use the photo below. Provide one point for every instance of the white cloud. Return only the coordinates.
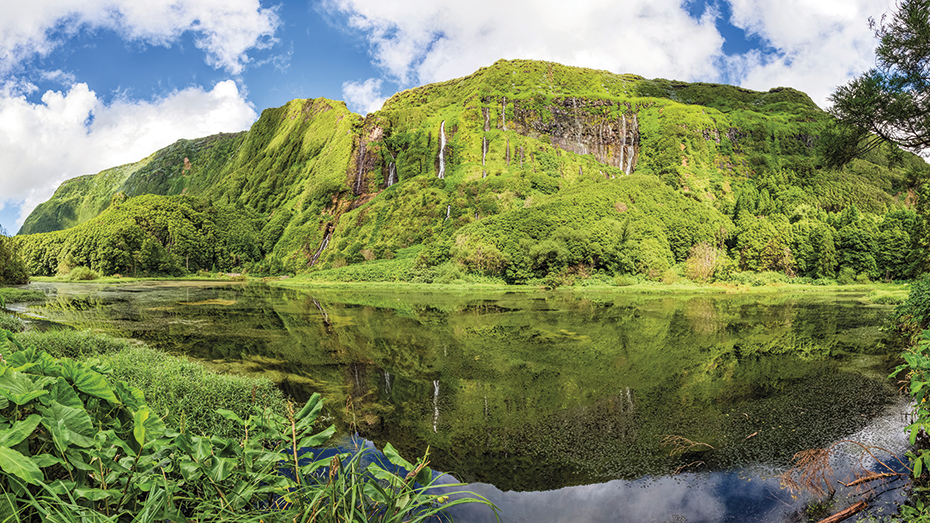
(419, 41)
(820, 44)
(812, 46)
(363, 97)
(225, 29)
(74, 133)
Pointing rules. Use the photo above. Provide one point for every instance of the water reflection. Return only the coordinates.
(538, 391)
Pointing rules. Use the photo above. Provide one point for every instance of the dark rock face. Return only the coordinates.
(581, 126)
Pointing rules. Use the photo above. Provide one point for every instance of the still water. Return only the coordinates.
(557, 406)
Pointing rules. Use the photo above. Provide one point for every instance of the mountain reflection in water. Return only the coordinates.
(557, 399)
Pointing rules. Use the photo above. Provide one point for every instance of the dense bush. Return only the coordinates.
(13, 269)
(11, 323)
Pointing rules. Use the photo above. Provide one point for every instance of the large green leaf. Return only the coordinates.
(146, 426)
(317, 439)
(221, 468)
(309, 412)
(130, 396)
(190, 469)
(88, 381)
(63, 393)
(46, 460)
(96, 494)
(68, 426)
(21, 388)
(14, 463)
(20, 431)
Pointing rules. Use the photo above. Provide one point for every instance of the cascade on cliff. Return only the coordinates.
(323, 244)
(392, 171)
(361, 167)
(448, 211)
(484, 149)
(442, 148)
(504, 114)
(486, 111)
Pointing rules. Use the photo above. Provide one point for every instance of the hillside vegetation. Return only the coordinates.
(522, 170)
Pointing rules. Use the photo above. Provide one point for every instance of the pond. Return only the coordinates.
(567, 405)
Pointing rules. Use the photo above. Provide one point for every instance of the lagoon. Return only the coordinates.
(575, 404)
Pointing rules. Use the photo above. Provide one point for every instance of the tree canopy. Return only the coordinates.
(891, 101)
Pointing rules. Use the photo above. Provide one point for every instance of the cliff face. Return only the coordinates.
(336, 188)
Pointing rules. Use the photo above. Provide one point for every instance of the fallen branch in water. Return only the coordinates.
(872, 476)
(843, 514)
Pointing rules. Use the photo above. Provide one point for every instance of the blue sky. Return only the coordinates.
(91, 84)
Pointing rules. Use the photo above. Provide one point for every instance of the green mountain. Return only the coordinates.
(521, 170)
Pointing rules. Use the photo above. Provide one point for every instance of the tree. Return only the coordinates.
(13, 270)
(892, 101)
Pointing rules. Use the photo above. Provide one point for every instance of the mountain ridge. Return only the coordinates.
(335, 188)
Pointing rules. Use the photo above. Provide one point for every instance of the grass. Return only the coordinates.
(16, 295)
(883, 292)
(186, 394)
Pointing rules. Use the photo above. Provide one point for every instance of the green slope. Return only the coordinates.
(519, 143)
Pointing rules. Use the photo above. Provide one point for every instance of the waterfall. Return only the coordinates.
(442, 147)
(486, 111)
(629, 160)
(504, 114)
(622, 141)
(435, 404)
(484, 174)
(448, 211)
(485, 407)
(358, 384)
(484, 149)
(329, 234)
(392, 174)
(361, 168)
(387, 382)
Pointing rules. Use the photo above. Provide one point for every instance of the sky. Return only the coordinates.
(90, 84)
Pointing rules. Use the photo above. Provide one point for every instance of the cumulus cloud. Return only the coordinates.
(419, 41)
(225, 29)
(72, 133)
(819, 45)
(363, 97)
(812, 46)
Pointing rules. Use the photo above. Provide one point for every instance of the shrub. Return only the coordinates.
(11, 323)
(847, 276)
(82, 273)
(624, 280)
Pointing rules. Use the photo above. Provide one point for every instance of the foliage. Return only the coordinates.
(76, 441)
(548, 169)
(81, 273)
(890, 100)
(11, 323)
(13, 270)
